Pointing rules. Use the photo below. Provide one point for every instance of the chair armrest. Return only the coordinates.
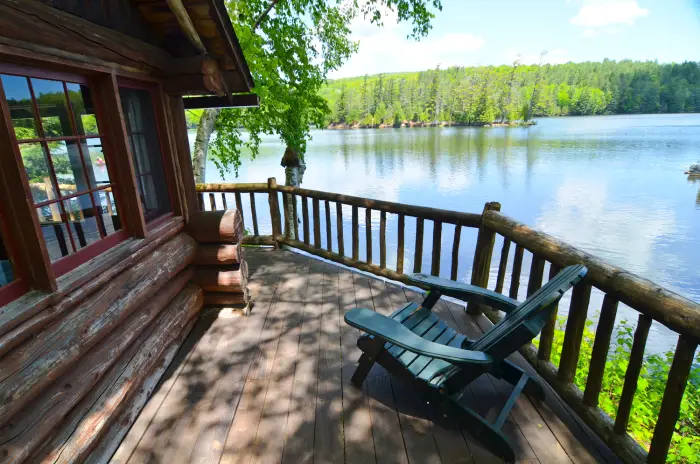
(394, 332)
(466, 292)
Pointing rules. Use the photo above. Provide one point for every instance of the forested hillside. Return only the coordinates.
(481, 95)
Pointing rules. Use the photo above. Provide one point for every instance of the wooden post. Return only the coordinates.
(382, 239)
(253, 214)
(305, 219)
(296, 217)
(239, 205)
(317, 222)
(515, 274)
(212, 202)
(503, 265)
(673, 395)
(437, 248)
(339, 224)
(634, 368)
(547, 335)
(400, 245)
(418, 254)
(536, 274)
(455, 252)
(355, 234)
(482, 258)
(274, 210)
(576, 322)
(368, 234)
(329, 238)
(601, 346)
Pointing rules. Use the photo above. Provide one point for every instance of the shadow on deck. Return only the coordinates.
(275, 387)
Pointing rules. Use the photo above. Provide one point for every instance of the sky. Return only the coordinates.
(483, 32)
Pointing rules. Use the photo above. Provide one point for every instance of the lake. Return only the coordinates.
(611, 185)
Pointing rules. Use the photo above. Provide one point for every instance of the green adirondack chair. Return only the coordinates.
(414, 345)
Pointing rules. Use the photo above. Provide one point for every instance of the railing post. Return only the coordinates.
(482, 257)
(274, 210)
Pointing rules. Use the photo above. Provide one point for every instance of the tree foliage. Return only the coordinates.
(290, 50)
(475, 95)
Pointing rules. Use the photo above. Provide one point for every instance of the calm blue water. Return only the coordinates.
(611, 185)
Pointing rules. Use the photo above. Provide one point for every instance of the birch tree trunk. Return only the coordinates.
(201, 143)
(294, 168)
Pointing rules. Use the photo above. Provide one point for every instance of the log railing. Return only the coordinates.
(651, 302)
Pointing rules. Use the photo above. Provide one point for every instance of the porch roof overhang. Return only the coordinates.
(189, 44)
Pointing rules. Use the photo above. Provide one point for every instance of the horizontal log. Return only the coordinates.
(30, 367)
(225, 299)
(374, 269)
(109, 444)
(89, 421)
(216, 226)
(258, 240)
(231, 188)
(226, 279)
(234, 101)
(450, 217)
(30, 427)
(61, 33)
(218, 254)
(25, 316)
(671, 309)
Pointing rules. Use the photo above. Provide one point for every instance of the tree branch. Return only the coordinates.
(265, 13)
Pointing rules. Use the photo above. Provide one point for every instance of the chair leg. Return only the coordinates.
(512, 374)
(372, 348)
(491, 437)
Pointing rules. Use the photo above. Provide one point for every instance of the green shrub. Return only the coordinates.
(685, 447)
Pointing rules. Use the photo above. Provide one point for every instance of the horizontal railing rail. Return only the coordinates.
(295, 223)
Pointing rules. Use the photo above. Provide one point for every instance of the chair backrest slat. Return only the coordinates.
(543, 299)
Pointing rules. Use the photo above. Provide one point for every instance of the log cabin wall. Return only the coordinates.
(82, 349)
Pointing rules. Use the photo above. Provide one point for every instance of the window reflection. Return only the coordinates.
(53, 108)
(19, 100)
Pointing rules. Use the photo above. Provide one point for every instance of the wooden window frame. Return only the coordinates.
(157, 101)
(67, 263)
(20, 225)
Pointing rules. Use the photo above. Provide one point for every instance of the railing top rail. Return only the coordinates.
(442, 215)
(669, 308)
(256, 187)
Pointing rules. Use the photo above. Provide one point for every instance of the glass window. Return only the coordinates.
(61, 148)
(148, 161)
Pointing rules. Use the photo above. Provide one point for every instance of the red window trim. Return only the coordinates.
(28, 71)
(12, 291)
(68, 263)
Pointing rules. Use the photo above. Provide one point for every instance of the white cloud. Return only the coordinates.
(601, 14)
(387, 49)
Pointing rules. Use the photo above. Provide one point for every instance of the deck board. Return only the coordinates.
(275, 386)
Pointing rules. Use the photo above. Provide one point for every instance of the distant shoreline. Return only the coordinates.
(410, 124)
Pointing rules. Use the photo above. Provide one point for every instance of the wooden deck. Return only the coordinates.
(275, 387)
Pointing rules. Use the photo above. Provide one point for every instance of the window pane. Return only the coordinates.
(53, 109)
(19, 99)
(82, 220)
(148, 161)
(6, 273)
(36, 166)
(55, 233)
(107, 206)
(68, 166)
(83, 109)
(96, 162)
